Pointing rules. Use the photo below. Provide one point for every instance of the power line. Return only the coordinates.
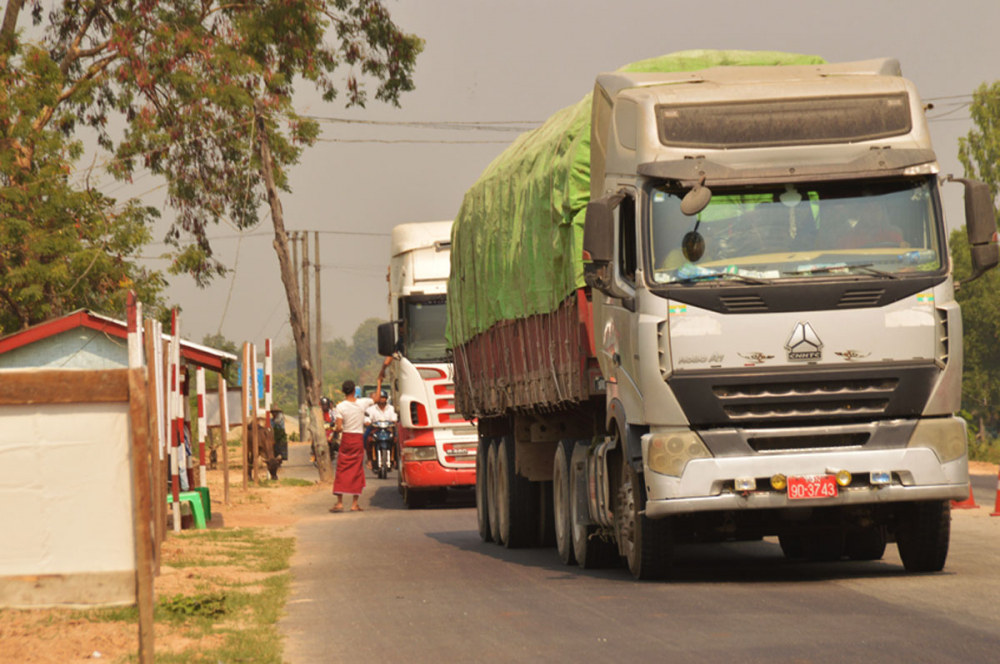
(386, 141)
(447, 125)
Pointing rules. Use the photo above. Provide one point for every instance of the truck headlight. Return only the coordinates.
(946, 436)
(669, 453)
(425, 453)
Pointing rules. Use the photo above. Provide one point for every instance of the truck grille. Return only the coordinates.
(808, 399)
(754, 397)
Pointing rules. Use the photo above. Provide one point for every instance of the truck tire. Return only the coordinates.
(590, 548)
(561, 502)
(517, 513)
(922, 536)
(647, 543)
(482, 502)
(492, 506)
(866, 544)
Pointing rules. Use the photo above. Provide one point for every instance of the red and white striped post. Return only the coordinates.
(996, 505)
(202, 426)
(176, 416)
(267, 382)
(134, 309)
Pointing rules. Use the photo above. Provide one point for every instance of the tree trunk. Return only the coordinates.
(290, 281)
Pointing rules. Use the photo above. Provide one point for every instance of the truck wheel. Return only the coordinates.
(482, 509)
(491, 492)
(923, 535)
(793, 545)
(866, 544)
(517, 513)
(561, 502)
(591, 550)
(647, 543)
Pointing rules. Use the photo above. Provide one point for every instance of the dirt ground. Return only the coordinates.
(983, 468)
(67, 635)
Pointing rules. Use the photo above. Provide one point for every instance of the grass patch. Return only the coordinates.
(285, 481)
(245, 547)
(247, 621)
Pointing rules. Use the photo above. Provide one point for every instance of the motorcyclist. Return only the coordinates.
(380, 411)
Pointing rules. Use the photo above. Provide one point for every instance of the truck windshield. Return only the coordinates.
(877, 228)
(424, 328)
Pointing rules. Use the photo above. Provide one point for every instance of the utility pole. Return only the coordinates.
(305, 309)
(319, 321)
(290, 281)
(303, 424)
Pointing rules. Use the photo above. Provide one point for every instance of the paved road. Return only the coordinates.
(393, 584)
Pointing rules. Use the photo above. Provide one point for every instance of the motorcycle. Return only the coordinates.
(383, 437)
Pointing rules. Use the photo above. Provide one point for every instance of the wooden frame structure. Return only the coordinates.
(31, 387)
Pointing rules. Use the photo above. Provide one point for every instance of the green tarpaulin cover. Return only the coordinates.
(517, 241)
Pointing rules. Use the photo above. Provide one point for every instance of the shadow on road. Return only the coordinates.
(388, 498)
(735, 562)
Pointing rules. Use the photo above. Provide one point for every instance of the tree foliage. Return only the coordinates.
(182, 78)
(979, 152)
(63, 245)
(358, 361)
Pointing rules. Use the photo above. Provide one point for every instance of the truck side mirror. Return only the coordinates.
(981, 226)
(386, 339)
(599, 241)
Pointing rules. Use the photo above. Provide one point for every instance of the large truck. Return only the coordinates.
(714, 301)
(436, 445)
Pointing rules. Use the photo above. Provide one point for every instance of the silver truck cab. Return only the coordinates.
(776, 319)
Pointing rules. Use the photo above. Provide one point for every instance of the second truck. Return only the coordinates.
(436, 445)
(714, 301)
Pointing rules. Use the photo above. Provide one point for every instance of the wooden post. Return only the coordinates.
(305, 326)
(319, 320)
(200, 386)
(142, 510)
(224, 435)
(165, 428)
(243, 409)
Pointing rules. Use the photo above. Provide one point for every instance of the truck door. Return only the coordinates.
(620, 332)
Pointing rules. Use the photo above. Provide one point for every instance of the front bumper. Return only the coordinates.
(432, 475)
(703, 486)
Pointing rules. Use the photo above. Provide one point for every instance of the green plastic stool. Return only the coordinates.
(206, 500)
(193, 498)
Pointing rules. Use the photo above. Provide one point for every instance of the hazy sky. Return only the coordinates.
(492, 60)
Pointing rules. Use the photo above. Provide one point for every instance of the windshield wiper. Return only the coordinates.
(724, 275)
(866, 267)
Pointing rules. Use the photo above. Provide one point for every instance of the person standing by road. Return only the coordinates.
(350, 416)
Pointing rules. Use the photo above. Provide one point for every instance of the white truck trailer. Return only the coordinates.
(436, 445)
(760, 338)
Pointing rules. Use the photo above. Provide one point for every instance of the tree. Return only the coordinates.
(205, 90)
(979, 152)
(185, 77)
(63, 245)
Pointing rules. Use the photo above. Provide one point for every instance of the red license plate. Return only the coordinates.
(812, 486)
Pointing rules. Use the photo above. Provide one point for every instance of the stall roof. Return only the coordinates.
(192, 353)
